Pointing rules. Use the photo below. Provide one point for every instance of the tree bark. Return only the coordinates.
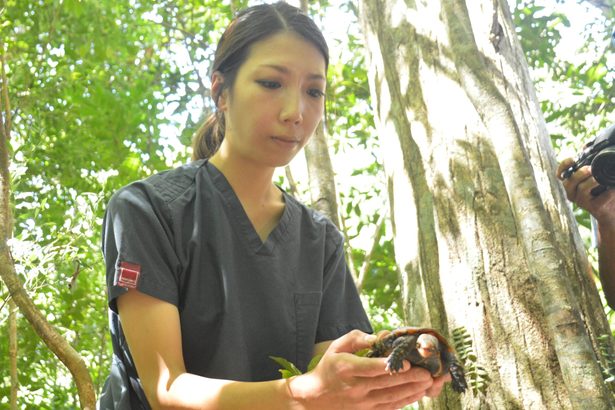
(320, 170)
(321, 175)
(484, 238)
(321, 178)
(58, 345)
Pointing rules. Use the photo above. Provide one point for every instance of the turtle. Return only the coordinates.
(422, 347)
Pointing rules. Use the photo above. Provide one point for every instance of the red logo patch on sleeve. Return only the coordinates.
(127, 275)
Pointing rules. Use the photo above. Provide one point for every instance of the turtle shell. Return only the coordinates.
(422, 347)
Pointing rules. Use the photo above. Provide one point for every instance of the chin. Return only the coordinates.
(280, 162)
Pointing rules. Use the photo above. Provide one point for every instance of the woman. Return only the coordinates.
(212, 269)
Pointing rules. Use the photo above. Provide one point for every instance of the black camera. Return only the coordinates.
(600, 154)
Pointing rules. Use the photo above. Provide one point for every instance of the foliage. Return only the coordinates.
(476, 374)
(538, 32)
(608, 373)
(288, 369)
(585, 100)
(92, 86)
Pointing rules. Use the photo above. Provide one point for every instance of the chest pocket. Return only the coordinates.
(307, 310)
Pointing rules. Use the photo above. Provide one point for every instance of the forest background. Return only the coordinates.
(103, 93)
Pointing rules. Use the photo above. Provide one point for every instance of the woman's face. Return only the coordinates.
(276, 102)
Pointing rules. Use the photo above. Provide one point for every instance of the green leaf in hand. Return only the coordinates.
(288, 369)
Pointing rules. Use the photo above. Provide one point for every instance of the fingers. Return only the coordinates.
(564, 165)
(437, 386)
(399, 396)
(583, 185)
(578, 187)
(340, 356)
(572, 183)
(398, 390)
(352, 342)
(365, 367)
(382, 333)
(405, 376)
(400, 404)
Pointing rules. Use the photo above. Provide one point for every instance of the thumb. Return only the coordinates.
(352, 342)
(564, 165)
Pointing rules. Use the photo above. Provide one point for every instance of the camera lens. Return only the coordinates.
(603, 167)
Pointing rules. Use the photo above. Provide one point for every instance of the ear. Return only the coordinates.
(217, 88)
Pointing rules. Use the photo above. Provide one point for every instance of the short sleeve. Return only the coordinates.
(341, 308)
(138, 245)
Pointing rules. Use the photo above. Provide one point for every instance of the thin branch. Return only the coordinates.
(367, 263)
(347, 247)
(291, 181)
(186, 33)
(5, 300)
(5, 102)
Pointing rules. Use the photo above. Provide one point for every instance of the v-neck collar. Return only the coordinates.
(242, 224)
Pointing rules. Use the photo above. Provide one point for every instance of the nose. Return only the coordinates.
(292, 108)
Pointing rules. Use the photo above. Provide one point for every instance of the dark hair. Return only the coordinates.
(249, 26)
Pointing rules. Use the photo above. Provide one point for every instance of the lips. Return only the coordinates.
(287, 140)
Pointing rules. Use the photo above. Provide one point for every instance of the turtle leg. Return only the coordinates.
(378, 349)
(402, 348)
(458, 382)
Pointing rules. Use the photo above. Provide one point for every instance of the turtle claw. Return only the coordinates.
(394, 366)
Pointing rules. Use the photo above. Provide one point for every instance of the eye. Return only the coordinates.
(269, 84)
(316, 93)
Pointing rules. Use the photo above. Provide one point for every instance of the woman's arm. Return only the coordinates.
(153, 333)
(602, 207)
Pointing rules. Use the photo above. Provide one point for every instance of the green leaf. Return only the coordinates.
(288, 369)
(314, 362)
(362, 352)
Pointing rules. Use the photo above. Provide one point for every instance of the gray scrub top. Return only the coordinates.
(182, 236)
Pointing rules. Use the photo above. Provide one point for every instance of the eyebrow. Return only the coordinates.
(285, 70)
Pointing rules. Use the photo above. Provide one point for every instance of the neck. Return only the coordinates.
(252, 183)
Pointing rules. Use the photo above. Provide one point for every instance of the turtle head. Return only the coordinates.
(427, 345)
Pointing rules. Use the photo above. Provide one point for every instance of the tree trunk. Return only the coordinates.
(320, 170)
(56, 343)
(321, 175)
(321, 178)
(487, 246)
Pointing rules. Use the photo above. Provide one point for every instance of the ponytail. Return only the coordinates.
(208, 137)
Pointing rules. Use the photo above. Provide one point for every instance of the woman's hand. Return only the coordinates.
(343, 380)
